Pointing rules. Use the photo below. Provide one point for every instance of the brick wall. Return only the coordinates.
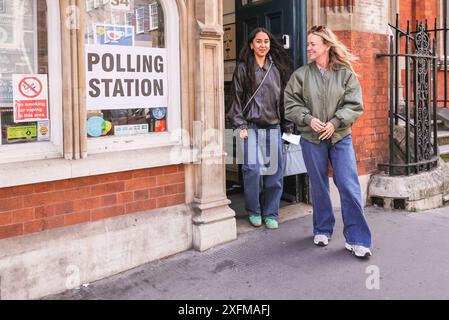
(370, 132)
(418, 10)
(422, 10)
(34, 208)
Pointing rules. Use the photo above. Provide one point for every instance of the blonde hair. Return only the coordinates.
(338, 52)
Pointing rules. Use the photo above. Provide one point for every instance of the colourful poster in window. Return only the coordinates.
(114, 35)
(43, 131)
(21, 133)
(158, 120)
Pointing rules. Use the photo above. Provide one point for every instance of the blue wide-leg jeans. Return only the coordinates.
(343, 162)
(263, 170)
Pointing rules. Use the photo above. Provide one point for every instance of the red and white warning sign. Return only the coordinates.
(30, 97)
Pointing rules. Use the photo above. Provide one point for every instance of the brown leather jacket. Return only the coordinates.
(266, 108)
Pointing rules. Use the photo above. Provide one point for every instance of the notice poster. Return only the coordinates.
(120, 77)
(43, 131)
(114, 35)
(30, 97)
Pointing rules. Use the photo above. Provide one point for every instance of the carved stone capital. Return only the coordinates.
(359, 16)
(212, 32)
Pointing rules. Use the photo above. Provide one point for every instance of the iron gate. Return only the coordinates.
(414, 119)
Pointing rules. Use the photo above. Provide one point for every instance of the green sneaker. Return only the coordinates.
(255, 220)
(271, 223)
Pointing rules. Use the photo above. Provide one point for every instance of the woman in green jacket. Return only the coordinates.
(324, 99)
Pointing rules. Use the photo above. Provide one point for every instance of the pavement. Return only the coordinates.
(410, 261)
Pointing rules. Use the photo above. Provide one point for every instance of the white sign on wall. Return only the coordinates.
(121, 77)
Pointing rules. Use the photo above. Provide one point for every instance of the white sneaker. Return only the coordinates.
(321, 240)
(359, 251)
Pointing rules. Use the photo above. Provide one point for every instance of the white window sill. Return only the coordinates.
(29, 172)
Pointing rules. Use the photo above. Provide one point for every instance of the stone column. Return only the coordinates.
(214, 222)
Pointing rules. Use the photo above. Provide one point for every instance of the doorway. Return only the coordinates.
(286, 20)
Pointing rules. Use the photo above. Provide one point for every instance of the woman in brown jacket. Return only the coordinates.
(256, 109)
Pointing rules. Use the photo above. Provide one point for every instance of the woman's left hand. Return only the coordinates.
(328, 131)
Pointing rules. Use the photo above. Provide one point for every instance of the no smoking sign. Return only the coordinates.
(30, 87)
(30, 97)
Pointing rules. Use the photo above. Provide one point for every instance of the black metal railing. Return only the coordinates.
(413, 119)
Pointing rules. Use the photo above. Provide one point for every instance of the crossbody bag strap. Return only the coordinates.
(258, 88)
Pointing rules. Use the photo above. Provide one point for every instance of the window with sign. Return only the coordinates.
(129, 66)
(28, 65)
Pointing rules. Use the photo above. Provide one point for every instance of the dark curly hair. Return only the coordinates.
(279, 55)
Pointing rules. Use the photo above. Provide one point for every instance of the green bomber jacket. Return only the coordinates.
(335, 96)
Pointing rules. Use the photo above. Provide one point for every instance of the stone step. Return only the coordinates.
(443, 114)
(444, 152)
(443, 137)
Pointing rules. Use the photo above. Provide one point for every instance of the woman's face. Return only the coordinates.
(261, 45)
(316, 48)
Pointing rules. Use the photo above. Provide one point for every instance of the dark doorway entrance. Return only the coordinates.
(286, 20)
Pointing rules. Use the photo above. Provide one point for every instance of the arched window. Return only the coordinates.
(30, 80)
(132, 74)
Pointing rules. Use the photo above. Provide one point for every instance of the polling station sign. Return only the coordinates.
(120, 77)
(30, 95)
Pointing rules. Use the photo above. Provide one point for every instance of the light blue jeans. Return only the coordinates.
(342, 158)
(263, 170)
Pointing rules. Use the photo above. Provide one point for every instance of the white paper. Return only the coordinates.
(140, 92)
(292, 138)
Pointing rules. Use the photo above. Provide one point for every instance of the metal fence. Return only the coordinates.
(413, 119)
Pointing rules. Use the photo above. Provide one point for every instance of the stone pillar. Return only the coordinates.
(363, 26)
(214, 222)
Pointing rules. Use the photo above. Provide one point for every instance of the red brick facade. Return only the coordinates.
(416, 10)
(38, 207)
(370, 132)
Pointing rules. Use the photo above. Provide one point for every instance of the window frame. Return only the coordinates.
(54, 166)
(138, 17)
(54, 148)
(153, 25)
(155, 139)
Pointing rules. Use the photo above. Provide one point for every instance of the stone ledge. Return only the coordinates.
(419, 192)
(56, 260)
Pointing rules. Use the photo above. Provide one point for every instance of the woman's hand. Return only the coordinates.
(243, 134)
(317, 125)
(328, 131)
